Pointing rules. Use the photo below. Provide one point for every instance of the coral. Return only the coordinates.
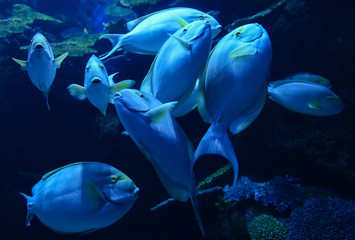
(281, 192)
(133, 3)
(22, 18)
(207, 182)
(266, 227)
(323, 219)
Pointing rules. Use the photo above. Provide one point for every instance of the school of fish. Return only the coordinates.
(228, 84)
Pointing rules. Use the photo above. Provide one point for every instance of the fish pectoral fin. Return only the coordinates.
(60, 59)
(110, 78)
(315, 105)
(182, 22)
(95, 196)
(124, 133)
(22, 63)
(158, 113)
(77, 91)
(119, 86)
(183, 42)
(247, 49)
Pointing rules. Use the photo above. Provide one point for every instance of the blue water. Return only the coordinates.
(316, 37)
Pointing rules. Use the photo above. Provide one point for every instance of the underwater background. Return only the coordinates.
(296, 174)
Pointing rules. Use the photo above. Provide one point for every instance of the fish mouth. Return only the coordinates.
(39, 46)
(129, 197)
(96, 80)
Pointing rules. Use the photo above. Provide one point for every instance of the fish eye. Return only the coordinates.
(185, 30)
(101, 67)
(201, 17)
(87, 68)
(141, 95)
(113, 179)
(238, 33)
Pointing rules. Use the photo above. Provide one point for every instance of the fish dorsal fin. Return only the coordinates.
(110, 78)
(158, 113)
(247, 117)
(22, 63)
(302, 77)
(119, 86)
(47, 175)
(77, 91)
(132, 24)
(246, 49)
(146, 85)
(95, 196)
(182, 22)
(60, 59)
(201, 95)
(182, 41)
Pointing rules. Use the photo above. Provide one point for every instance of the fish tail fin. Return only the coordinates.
(46, 96)
(216, 141)
(196, 211)
(29, 213)
(115, 40)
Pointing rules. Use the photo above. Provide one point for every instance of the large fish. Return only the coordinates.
(148, 33)
(307, 97)
(81, 197)
(98, 86)
(41, 65)
(157, 134)
(233, 89)
(176, 67)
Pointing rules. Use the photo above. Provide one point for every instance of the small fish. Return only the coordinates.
(159, 137)
(81, 197)
(233, 88)
(148, 33)
(41, 65)
(306, 97)
(173, 74)
(98, 86)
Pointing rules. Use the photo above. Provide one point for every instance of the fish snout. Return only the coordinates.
(96, 80)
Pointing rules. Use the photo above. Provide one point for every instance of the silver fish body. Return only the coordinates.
(233, 89)
(173, 74)
(98, 86)
(306, 98)
(81, 197)
(148, 33)
(41, 65)
(160, 138)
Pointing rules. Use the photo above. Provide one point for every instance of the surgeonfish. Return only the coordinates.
(159, 137)
(233, 89)
(303, 77)
(173, 74)
(41, 65)
(81, 197)
(306, 97)
(98, 86)
(148, 33)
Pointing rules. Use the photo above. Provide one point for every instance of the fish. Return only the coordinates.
(303, 77)
(148, 33)
(233, 88)
(176, 67)
(41, 65)
(306, 97)
(159, 137)
(81, 197)
(98, 86)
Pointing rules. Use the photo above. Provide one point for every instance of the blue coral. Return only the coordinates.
(323, 219)
(280, 192)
